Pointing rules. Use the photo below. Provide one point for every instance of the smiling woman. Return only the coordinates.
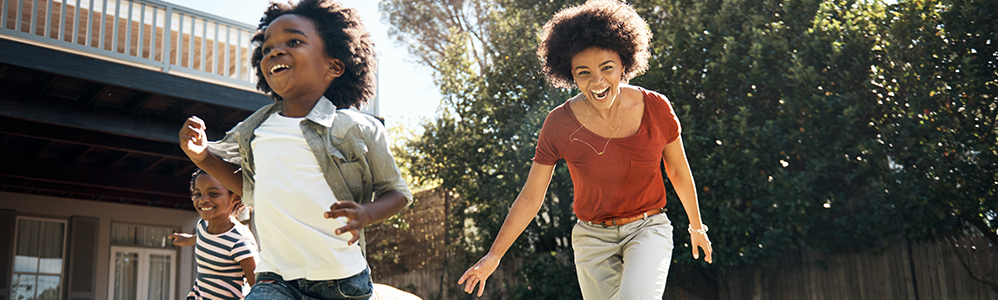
(623, 240)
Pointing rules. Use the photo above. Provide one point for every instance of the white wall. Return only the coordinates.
(62, 208)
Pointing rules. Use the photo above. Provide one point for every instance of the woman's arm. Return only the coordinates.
(520, 215)
(678, 170)
(249, 265)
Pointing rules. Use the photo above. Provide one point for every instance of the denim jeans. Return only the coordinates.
(271, 286)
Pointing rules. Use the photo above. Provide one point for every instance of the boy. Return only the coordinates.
(308, 151)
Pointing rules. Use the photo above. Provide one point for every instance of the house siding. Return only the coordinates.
(104, 214)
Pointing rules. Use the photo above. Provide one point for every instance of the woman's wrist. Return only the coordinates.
(703, 229)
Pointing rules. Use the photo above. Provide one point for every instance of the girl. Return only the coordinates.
(225, 249)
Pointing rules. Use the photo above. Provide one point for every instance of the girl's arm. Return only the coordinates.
(520, 215)
(182, 239)
(249, 265)
(678, 169)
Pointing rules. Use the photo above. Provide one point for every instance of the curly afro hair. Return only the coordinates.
(344, 38)
(605, 24)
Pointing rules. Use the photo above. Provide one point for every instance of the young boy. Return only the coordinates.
(308, 153)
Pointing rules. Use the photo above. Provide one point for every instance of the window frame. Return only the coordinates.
(142, 282)
(62, 268)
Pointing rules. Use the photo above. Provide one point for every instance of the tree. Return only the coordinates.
(817, 125)
(496, 99)
(775, 106)
(937, 80)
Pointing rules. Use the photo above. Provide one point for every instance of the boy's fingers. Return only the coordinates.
(197, 121)
(356, 236)
(341, 212)
(343, 204)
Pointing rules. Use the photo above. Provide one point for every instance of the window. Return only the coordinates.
(40, 250)
(141, 235)
(142, 273)
(143, 263)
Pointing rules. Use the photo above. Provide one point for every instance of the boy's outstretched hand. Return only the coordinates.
(357, 216)
(193, 139)
(182, 239)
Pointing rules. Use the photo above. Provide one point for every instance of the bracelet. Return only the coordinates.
(702, 230)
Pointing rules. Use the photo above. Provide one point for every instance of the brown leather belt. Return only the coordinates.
(622, 221)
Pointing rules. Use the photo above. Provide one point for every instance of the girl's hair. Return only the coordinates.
(237, 208)
(344, 38)
(606, 24)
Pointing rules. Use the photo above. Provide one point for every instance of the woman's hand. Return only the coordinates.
(193, 140)
(700, 241)
(479, 273)
(182, 239)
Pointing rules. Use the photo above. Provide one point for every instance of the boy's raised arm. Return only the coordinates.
(194, 142)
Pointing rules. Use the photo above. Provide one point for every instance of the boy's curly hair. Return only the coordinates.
(344, 38)
(605, 24)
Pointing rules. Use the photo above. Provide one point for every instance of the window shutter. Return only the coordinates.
(81, 281)
(7, 219)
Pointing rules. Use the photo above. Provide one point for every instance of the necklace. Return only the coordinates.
(586, 104)
(573, 139)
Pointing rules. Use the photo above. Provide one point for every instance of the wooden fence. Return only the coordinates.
(905, 270)
(915, 270)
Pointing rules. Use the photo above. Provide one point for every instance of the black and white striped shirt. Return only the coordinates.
(220, 276)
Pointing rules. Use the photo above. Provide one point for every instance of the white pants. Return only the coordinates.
(623, 262)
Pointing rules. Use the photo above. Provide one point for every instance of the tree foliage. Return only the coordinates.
(936, 80)
(481, 145)
(824, 125)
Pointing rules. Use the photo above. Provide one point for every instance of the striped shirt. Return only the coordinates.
(218, 255)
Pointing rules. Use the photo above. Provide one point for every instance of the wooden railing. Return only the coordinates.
(155, 34)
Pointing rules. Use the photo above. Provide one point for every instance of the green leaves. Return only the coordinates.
(825, 125)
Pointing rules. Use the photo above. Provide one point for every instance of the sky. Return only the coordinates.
(405, 88)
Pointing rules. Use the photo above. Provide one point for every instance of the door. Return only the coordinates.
(142, 273)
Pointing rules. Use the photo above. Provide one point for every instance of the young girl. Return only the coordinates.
(225, 249)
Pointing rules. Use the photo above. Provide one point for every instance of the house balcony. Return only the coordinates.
(93, 93)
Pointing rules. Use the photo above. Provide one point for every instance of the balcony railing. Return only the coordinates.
(155, 34)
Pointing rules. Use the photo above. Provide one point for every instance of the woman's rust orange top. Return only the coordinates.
(627, 179)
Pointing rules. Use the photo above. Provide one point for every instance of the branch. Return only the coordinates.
(956, 251)
(983, 227)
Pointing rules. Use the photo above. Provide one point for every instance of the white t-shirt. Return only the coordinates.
(292, 195)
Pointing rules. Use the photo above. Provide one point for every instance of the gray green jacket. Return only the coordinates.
(351, 148)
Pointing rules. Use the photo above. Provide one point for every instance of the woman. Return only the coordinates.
(612, 137)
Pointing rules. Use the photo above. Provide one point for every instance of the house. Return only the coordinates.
(92, 181)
